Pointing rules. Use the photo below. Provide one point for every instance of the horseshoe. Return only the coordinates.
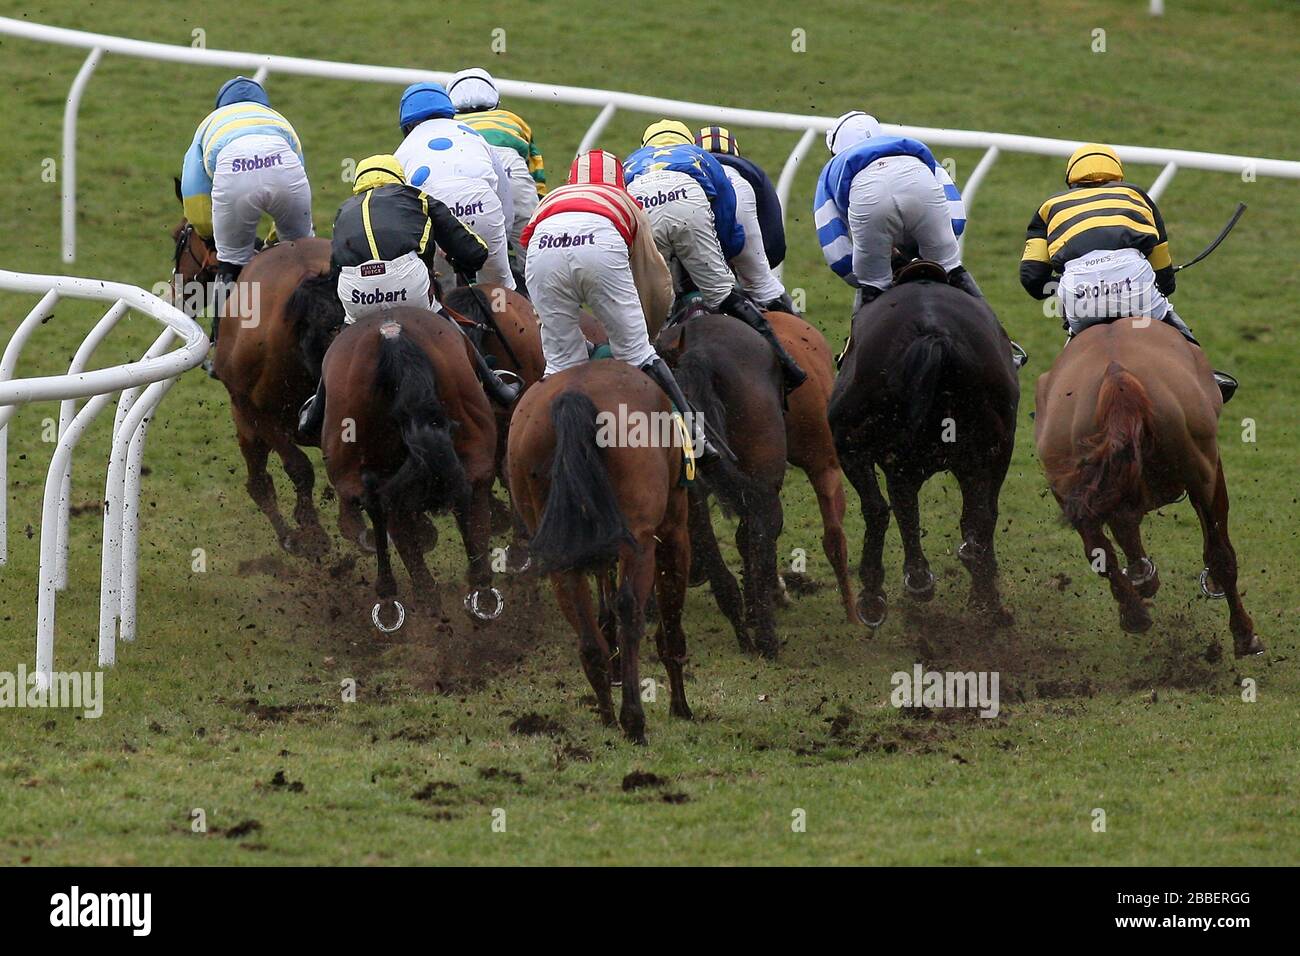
(401, 617)
(1147, 571)
(1205, 587)
(911, 589)
(472, 604)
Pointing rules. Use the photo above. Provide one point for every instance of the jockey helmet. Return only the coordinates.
(717, 139)
(241, 90)
(667, 132)
(472, 90)
(422, 101)
(378, 170)
(596, 167)
(1093, 163)
(849, 130)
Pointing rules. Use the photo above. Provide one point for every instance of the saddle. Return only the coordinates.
(920, 270)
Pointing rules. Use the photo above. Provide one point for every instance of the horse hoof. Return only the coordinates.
(1144, 577)
(366, 541)
(474, 604)
(1135, 622)
(1205, 587)
(287, 543)
(782, 595)
(1252, 647)
(513, 565)
(378, 622)
(922, 592)
(872, 611)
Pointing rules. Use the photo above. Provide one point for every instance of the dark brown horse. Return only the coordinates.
(408, 430)
(809, 445)
(1125, 423)
(927, 385)
(731, 377)
(596, 502)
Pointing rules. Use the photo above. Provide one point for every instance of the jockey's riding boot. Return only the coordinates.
(662, 376)
(501, 392)
(865, 295)
(961, 279)
(782, 303)
(312, 415)
(1019, 357)
(737, 305)
(227, 274)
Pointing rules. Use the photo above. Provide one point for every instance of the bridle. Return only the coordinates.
(183, 249)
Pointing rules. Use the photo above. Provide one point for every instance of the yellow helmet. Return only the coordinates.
(666, 132)
(1093, 163)
(717, 139)
(378, 170)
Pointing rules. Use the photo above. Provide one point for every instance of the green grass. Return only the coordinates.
(236, 673)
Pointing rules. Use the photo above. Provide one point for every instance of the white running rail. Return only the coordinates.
(142, 385)
(608, 102)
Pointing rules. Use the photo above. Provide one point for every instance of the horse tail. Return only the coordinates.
(431, 478)
(731, 486)
(315, 313)
(915, 377)
(582, 525)
(1109, 475)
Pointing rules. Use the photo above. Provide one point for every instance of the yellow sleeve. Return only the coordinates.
(198, 210)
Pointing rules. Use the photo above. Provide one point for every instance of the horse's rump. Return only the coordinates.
(315, 313)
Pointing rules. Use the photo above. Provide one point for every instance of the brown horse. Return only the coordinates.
(732, 379)
(809, 445)
(408, 430)
(1125, 423)
(595, 503)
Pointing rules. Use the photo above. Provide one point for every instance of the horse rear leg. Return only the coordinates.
(260, 486)
(636, 581)
(861, 472)
(385, 583)
(310, 537)
(1133, 615)
(408, 538)
(828, 485)
(474, 519)
(704, 550)
(1141, 570)
(918, 579)
(1221, 559)
(979, 519)
(573, 594)
(756, 538)
(672, 565)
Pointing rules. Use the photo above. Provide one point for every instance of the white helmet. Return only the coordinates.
(473, 90)
(849, 130)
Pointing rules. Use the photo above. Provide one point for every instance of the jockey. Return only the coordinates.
(455, 165)
(245, 160)
(383, 250)
(878, 192)
(691, 205)
(758, 209)
(1106, 240)
(591, 244)
(478, 104)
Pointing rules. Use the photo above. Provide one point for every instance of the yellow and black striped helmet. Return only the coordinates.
(717, 139)
(1093, 163)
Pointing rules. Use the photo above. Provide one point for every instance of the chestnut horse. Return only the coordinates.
(1125, 423)
(927, 385)
(595, 503)
(408, 430)
(732, 379)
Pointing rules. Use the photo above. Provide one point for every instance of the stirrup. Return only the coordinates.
(1019, 357)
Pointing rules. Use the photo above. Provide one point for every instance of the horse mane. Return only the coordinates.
(1108, 476)
(315, 314)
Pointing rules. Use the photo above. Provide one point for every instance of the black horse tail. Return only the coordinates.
(582, 525)
(316, 314)
(731, 486)
(431, 478)
(916, 377)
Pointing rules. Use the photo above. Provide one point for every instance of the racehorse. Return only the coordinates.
(408, 430)
(809, 445)
(609, 505)
(1125, 423)
(927, 385)
(732, 378)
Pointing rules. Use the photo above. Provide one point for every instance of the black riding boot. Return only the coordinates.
(503, 393)
(865, 295)
(737, 305)
(662, 376)
(961, 279)
(782, 303)
(312, 415)
(223, 285)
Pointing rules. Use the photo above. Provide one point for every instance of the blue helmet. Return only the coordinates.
(422, 101)
(241, 90)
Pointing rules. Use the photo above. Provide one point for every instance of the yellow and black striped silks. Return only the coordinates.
(1092, 218)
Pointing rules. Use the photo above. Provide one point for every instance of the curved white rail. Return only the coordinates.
(608, 101)
(142, 384)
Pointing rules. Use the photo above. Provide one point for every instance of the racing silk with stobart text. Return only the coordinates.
(704, 169)
(831, 204)
(218, 129)
(504, 128)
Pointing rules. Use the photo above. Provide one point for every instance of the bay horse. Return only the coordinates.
(596, 503)
(927, 385)
(1125, 423)
(408, 430)
(732, 379)
(809, 444)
